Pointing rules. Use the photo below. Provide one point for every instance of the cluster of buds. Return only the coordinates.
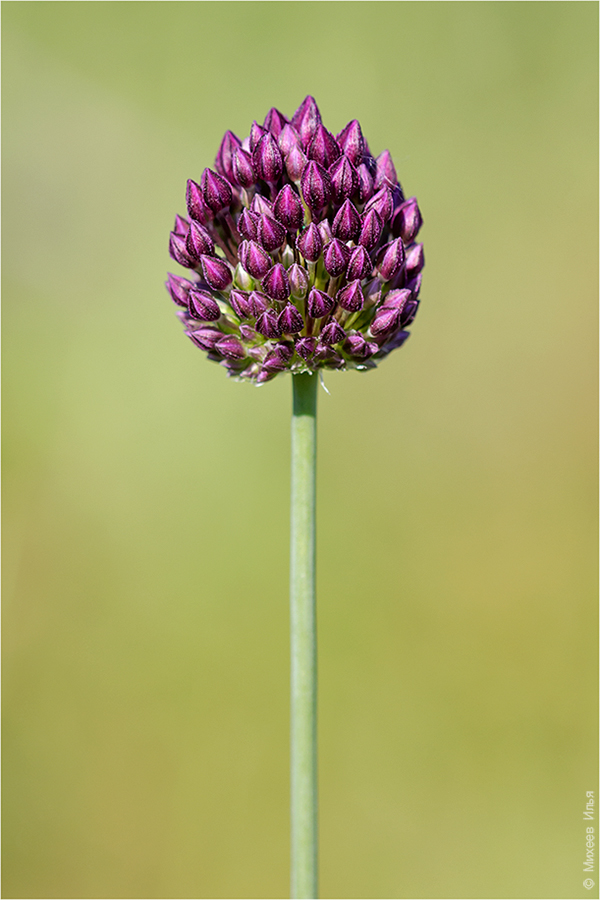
(300, 249)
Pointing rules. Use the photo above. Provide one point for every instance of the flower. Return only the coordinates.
(300, 249)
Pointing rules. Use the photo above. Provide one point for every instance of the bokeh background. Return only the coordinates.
(146, 496)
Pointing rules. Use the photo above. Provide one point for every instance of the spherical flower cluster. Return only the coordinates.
(301, 251)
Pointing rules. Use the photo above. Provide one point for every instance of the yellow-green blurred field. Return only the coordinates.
(146, 504)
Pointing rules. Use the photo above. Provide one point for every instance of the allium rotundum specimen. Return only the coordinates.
(300, 249)
(302, 256)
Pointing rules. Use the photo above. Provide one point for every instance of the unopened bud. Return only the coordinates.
(333, 333)
(216, 190)
(319, 304)
(217, 272)
(275, 284)
(310, 243)
(203, 306)
(290, 321)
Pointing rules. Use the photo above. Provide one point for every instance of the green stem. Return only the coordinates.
(303, 639)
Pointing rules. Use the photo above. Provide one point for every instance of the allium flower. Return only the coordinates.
(300, 249)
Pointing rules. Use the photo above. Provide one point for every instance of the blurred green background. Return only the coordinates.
(146, 496)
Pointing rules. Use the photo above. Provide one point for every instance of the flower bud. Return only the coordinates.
(351, 297)
(275, 122)
(352, 142)
(359, 264)
(181, 227)
(287, 256)
(242, 279)
(256, 132)
(396, 341)
(257, 303)
(267, 324)
(385, 173)
(217, 272)
(382, 202)
(199, 241)
(385, 321)
(216, 191)
(306, 119)
(319, 304)
(203, 306)
(333, 333)
(347, 223)
(390, 260)
(344, 179)
(407, 220)
(295, 163)
(239, 303)
(178, 251)
(242, 169)
(298, 278)
(288, 138)
(178, 288)
(267, 160)
(247, 225)
(288, 208)
(254, 259)
(325, 231)
(230, 347)
(366, 185)
(414, 285)
(407, 316)
(310, 243)
(271, 233)
(274, 362)
(205, 338)
(396, 299)
(357, 345)
(415, 260)
(336, 257)
(323, 147)
(196, 207)
(261, 206)
(224, 160)
(290, 321)
(372, 227)
(305, 347)
(275, 284)
(315, 185)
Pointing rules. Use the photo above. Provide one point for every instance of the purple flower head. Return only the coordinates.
(300, 251)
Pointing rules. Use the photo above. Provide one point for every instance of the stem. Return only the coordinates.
(303, 639)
